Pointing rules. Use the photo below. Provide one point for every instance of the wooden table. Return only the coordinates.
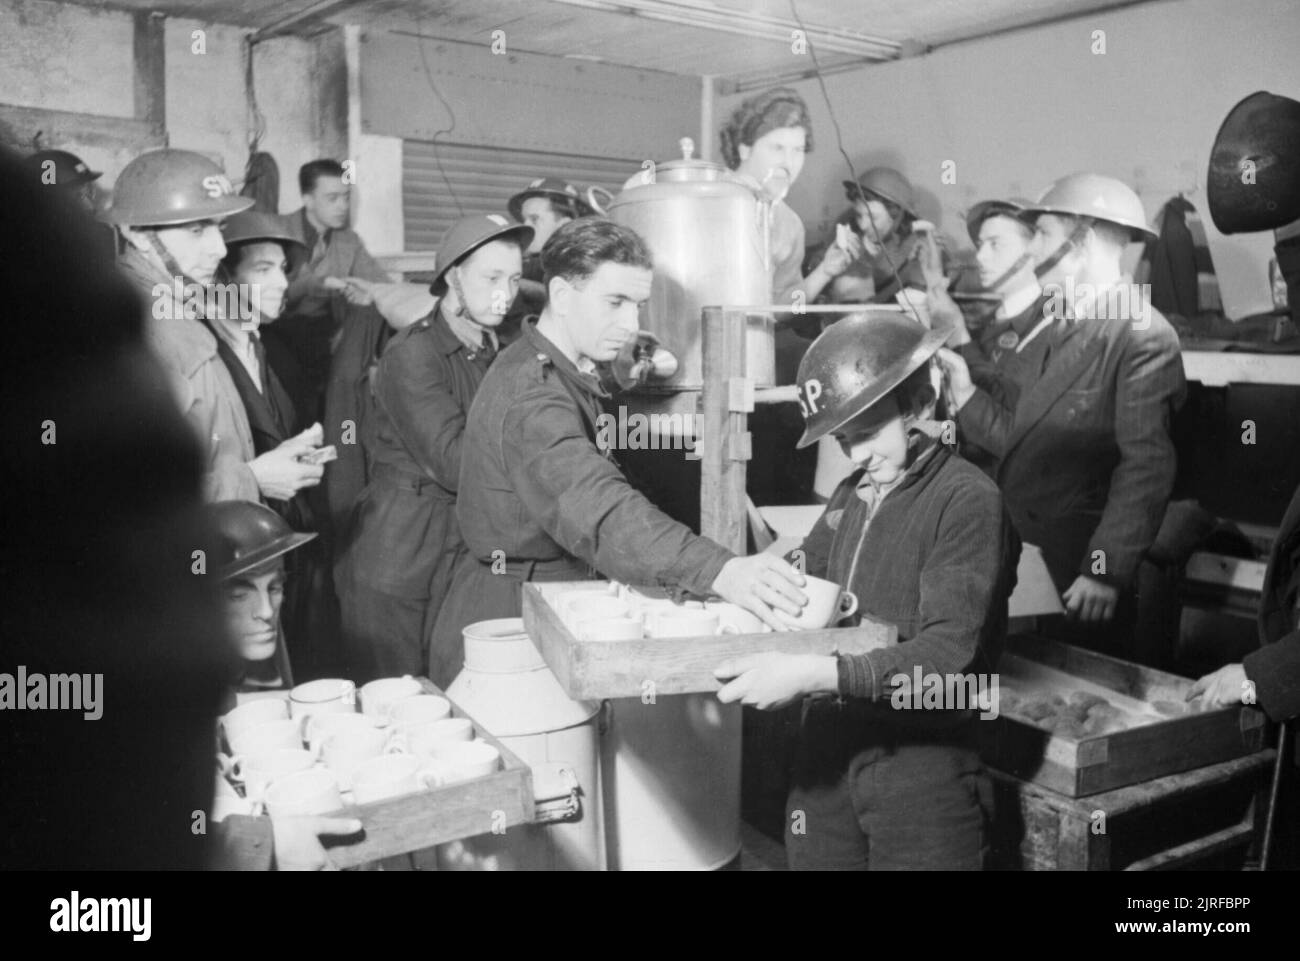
(1160, 824)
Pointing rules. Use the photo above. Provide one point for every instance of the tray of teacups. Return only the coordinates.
(397, 753)
(603, 639)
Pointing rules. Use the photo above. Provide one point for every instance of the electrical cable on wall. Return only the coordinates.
(428, 73)
(839, 140)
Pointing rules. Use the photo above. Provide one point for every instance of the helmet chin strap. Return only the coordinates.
(453, 281)
(160, 250)
(1070, 243)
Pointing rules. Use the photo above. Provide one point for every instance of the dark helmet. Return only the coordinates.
(469, 234)
(554, 188)
(982, 211)
(248, 535)
(69, 170)
(251, 226)
(885, 183)
(1254, 179)
(857, 361)
(166, 188)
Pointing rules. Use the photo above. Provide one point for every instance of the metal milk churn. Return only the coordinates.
(507, 688)
(708, 230)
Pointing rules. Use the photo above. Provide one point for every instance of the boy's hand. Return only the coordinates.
(1090, 600)
(759, 583)
(770, 681)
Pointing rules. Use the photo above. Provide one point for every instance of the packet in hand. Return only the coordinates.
(321, 455)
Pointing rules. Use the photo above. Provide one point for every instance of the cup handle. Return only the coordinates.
(304, 727)
(231, 766)
(258, 808)
(852, 608)
(429, 777)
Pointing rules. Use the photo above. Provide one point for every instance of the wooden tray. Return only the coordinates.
(594, 670)
(418, 821)
(1157, 746)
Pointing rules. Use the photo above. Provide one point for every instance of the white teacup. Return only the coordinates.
(252, 713)
(267, 736)
(827, 604)
(736, 617)
(321, 726)
(610, 629)
(585, 606)
(378, 697)
(465, 761)
(685, 623)
(392, 776)
(421, 709)
(344, 751)
(326, 696)
(303, 794)
(258, 771)
(424, 739)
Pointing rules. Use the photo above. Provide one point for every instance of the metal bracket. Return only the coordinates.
(740, 395)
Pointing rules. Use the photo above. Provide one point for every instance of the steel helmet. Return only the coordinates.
(251, 226)
(855, 362)
(552, 187)
(165, 188)
(887, 184)
(69, 169)
(1012, 207)
(469, 234)
(248, 535)
(1254, 179)
(1097, 198)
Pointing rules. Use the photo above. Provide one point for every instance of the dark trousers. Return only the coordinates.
(903, 807)
(383, 634)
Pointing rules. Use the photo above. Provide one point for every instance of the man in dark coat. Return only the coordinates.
(260, 255)
(539, 498)
(403, 540)
(1086, 463)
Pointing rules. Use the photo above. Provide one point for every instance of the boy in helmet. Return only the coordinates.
(403, 538)
(921, 537)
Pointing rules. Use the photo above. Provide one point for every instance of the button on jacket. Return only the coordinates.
(1085, 458)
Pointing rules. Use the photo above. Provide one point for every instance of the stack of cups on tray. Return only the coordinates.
(609, 611)
(313, 751)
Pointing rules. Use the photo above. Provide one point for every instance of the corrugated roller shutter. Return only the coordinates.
(482, 179)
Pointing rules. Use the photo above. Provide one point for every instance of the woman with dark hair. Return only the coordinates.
(766, 140)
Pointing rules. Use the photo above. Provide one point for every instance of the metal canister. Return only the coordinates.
(708, 230)
(508, 689)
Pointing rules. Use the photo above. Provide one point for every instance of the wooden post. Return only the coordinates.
(725, 444)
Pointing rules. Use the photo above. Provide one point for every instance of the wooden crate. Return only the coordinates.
(1209, 813)
(427, 818)
(593, 670)
(1077, 767)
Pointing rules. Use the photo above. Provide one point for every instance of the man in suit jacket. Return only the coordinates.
(1085, 458)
